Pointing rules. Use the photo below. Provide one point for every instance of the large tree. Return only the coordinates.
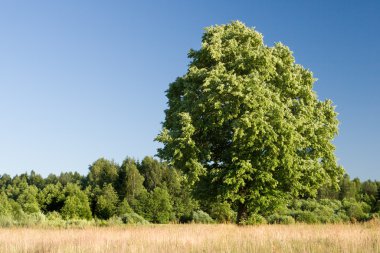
(245, 124)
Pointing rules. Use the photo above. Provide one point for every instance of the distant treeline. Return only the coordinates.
(152, 191)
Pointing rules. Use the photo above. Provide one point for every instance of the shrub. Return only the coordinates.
(334, 204)
(6, 221)
(356, 211)
(133, 218)
(5, 206)
(306, 217)
(324, 214)
(17, 212)
(115, 221)
(280, 219)
(255, 219)
(309, 205)
(106, 203)
(222, 212)
(202, 217)
(31, 219)
(53, 216)
(342, 216)
(74, 208)
(78, 223)
(158, 207)
(124, 207)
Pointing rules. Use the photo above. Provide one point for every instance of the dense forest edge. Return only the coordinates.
(151, 191)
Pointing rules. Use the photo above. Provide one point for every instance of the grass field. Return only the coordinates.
(195, 238)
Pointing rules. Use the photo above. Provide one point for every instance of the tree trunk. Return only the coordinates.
(242, 213)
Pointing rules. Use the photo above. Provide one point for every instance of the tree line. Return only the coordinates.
(151, 191)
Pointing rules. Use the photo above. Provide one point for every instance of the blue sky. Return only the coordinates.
(81, 80)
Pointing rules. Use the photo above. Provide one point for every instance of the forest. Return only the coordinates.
(151, 191)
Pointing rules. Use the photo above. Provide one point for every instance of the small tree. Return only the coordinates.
(158, 207)
(28, 200)
(76, 204)
(52, 198)
(5, 206)
(106, 203)
(130, 181)
(102, 172)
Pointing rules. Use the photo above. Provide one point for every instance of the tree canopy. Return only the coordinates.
(245, 122)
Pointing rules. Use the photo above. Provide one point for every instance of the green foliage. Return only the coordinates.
(76, 204)
(254, 219)
(153, 172)
(133, 218)
(5, 180)
(18, 185)
(6, 221)
(52, 198)
(36, 180)
(245, 122)
(306, 217)
(356, 211)
(17, 212)
(158, 208)
(222, 212)
(180, 193)
(54, 216)
(103, 172)
(67, 204)
(106, 203)
(70, 177)
(348, 189)
(280, 219)
(5, 206)
(202, 217)
(124, 207)
(128, 216)
(130, 181)
(28, 200)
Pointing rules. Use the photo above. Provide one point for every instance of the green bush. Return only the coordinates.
(334, 204)
(309, 205)
(342, 216)
(32, 219)
(133, 218)
(106, 203)
(115, 221)
(356, 211)
(124, 207)
(324, 214)
(5, 206)
(55, 219)
(17, 212)
(79, 223)
(222, 212)
(306, 217)
(280, 219)
(6, 221)
(157, 206)
(255, 219)
(54, 216)
(202, 217)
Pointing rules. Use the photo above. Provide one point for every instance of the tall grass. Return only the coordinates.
(196, 238)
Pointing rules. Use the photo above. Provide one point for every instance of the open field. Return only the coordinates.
(195, 238)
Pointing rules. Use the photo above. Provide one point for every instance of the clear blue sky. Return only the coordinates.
(81, 80)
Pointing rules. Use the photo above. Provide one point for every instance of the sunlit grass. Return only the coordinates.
(196, 238)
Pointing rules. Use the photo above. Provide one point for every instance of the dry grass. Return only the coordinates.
(195, 238)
